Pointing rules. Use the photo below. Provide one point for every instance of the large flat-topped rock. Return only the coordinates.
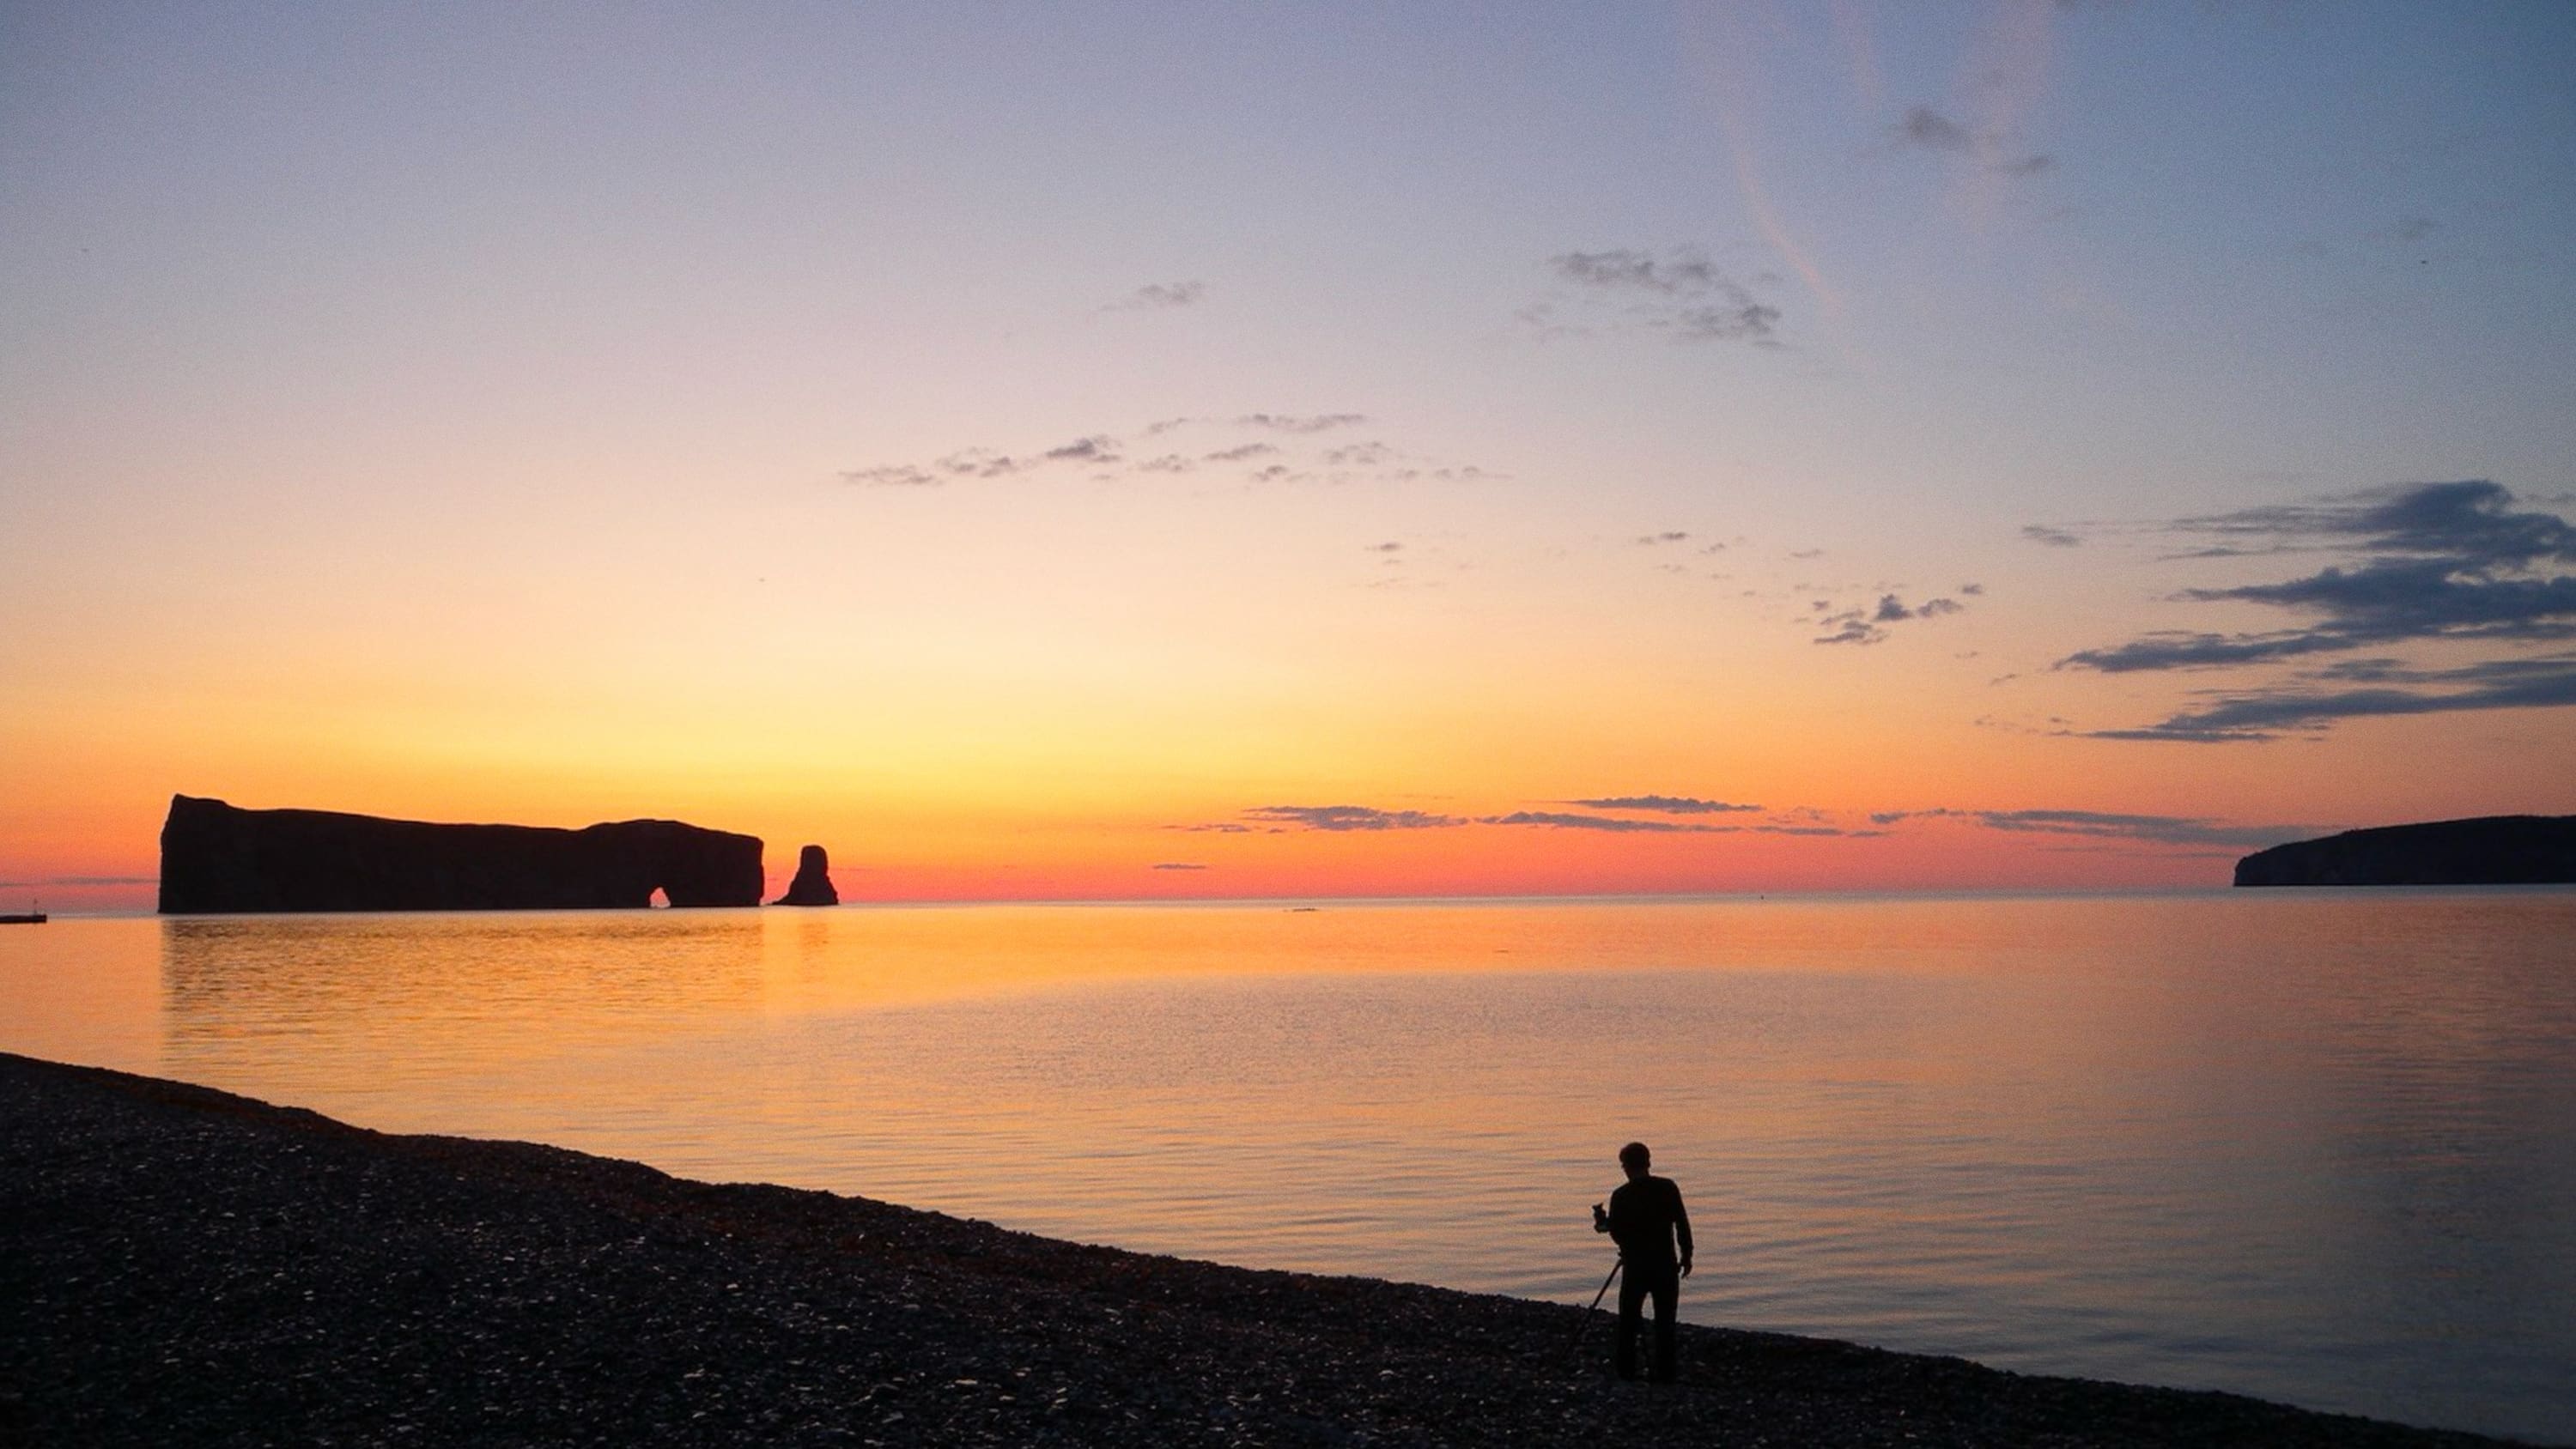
(215, 858)
(2494, 850)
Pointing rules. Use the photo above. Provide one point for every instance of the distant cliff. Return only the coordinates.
(2495, 850)
(215, 858)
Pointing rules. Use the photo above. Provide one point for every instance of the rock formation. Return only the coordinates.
(813, 883)
(2495, 850)
(215, 858)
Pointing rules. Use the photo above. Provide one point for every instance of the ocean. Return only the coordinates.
(2309, 1145)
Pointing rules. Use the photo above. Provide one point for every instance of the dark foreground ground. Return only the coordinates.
(181, 1267)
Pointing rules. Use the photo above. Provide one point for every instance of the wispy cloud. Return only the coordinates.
(2053, 537)
(1095, 449)
(1679, 293)
(1870, 625)
(2160, 829)
(1178, 865)
(2314, 702)
(1664, 804)
(1348, 817)
(1280, 447)
(1560, 820)
(1283, 818)
(1926, 129)
(1301, 422)
(1159, 296)
(2451, 562)
(2105, 825)
(891, 475)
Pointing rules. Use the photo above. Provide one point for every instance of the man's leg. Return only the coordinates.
(1668, 1292)
(1623, 1341)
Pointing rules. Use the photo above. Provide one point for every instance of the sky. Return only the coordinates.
(1105, 451)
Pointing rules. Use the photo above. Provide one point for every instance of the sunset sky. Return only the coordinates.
(1088, 451)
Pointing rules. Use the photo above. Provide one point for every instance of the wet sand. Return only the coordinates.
(180, 1266)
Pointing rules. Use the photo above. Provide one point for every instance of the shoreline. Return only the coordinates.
(180, 1265)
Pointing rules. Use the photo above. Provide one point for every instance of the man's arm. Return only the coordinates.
(1681, 1229)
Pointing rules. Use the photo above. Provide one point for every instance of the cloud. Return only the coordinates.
(1561, 821)
(1649, 540)
(1095, 449)
(978, 463)
(1294, 439)
(1679, 292)
(1853, 630)
(2160, 829)
(1667, 804)
(1928, 130)
(2169, 649)
(1924, 126)
(1685, 272)
(1297, 423)
(893, 475)
(2096, 824)
(2053, 537)
(2311, 704)
(2431, 561)
(2471, 522)
(1178, 865)
(80, 880)
(1739, 318)
(1159, 296)
(1390, 546)
(1891, 817)
(1348, 817)
(1870, 626)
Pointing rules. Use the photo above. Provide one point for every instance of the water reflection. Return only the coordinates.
(392, 1018)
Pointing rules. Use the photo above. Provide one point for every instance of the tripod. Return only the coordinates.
(1596, 1301)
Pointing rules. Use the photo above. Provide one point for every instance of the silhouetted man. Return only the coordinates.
(1646, 1219)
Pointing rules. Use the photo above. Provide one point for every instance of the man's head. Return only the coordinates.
(1635, 1158)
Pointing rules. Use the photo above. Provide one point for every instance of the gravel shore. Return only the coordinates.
(179, 1266)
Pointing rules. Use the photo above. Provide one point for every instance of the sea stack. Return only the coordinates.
(813, 883)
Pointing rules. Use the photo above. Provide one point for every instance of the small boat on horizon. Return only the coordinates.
(33, 917)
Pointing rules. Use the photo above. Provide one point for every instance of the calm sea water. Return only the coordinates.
(2319, 1147)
